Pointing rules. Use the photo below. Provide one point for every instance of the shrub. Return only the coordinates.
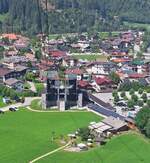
(134, 98)
(123, 94)
(144, 97)
(140, 91)
(115, 93)
(116, 98)
(148, 103)
(140, 103)
(132, 92)
(84, 133)
(131, 103)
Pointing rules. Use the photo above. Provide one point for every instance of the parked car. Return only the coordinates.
(16, 108)
(121, 104)
(12, 109)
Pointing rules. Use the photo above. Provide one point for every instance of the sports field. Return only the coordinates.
(93, 57)
(25, 135)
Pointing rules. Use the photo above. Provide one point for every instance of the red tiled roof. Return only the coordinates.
(47, 63)
(57, 53)
(83, 83)
(103, 80)
(136, 75)
(119, 53)
(10, 36)
(76, 71)
(121, 60)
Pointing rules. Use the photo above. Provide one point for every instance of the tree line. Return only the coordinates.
(35, 16)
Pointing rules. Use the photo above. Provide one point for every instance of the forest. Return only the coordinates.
(69, 16)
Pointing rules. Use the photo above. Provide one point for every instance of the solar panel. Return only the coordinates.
(104, 111)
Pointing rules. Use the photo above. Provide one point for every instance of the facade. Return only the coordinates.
(61, 93)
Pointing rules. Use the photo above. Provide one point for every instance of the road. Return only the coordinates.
(27, 102)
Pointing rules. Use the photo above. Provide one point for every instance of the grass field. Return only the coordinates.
(105, 35)
(130, 148)
(25, 135)
(92, 57)
(36, 105)
(137, 25)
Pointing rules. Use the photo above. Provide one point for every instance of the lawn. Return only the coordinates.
(105, 35)
(39, 87)
(25, 135)
(36, 105)
(92, 57)
(129, 148)
(137, 25)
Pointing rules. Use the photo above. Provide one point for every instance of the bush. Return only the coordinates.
(140, 91)
(125, 98)
(148, 103)
(115, 93)
(84, 133)
(131, 103)
(123, 94)
(134, 98)
(131, 92)
(39, 88)
(140, 103)
(116, 98)
(144, 97)
(27, 93)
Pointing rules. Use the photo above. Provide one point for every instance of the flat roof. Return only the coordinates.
(114, 122)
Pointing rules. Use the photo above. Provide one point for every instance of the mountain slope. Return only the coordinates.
(60, 16)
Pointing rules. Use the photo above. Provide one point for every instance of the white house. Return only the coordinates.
(101, 68)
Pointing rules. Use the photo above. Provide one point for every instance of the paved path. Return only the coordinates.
(27, 102)
(55, 111)
(50, 153)
(32, 86)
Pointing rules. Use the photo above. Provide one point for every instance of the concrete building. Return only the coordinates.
(62, 92)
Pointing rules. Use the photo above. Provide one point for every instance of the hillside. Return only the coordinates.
(61, 16)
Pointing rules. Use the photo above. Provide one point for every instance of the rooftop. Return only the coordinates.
(114, 122)
(4, 71)
(11, 81)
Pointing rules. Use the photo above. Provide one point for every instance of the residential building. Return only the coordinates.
(14, 84)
